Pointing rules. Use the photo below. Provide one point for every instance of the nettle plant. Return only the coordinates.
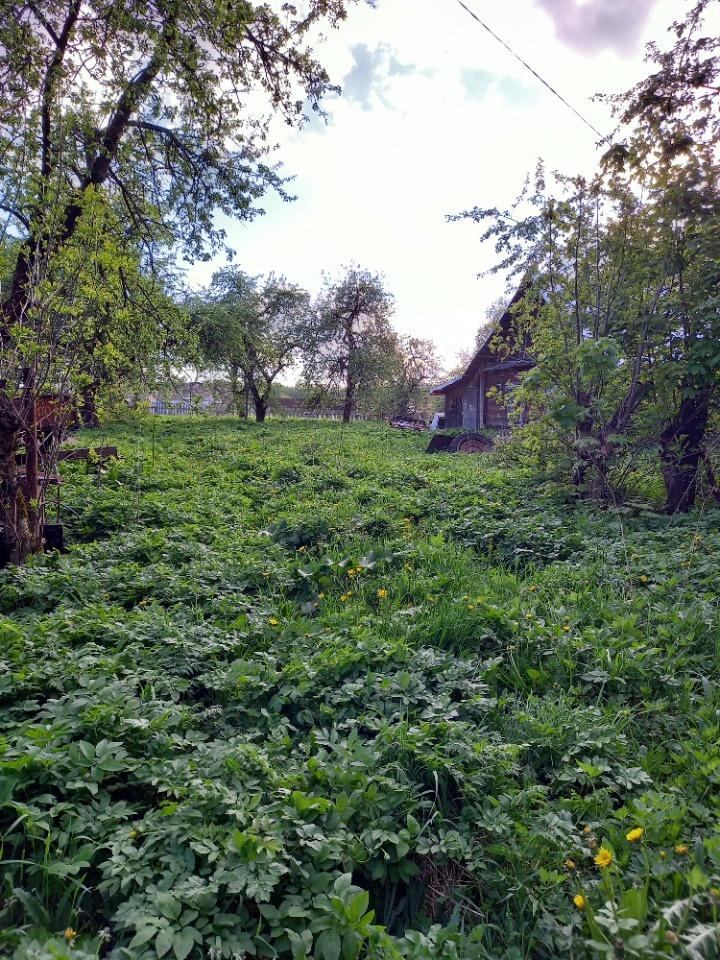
(230, 729)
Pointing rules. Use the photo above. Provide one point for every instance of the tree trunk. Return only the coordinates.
(591, 474)
(583, 433)
(88, 410)
(20, 510)
(237, 393)
(9, 479)
(681, 452)
(349, 404)
(350, 385)
(261, 401)
(596, 458)
(710, 474)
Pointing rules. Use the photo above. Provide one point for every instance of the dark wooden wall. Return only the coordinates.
(495, 413)
(453, 409)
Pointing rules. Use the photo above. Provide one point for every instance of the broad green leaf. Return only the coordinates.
(183, 942)
(357, 907)
(164, 941)
(328, 945)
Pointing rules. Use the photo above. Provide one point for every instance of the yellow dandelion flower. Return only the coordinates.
(579, 901)
(569, 864)
(663, 855)
(343, 598)
(70, 934)
(382, 593)
(471, 606)
(681, 848)
(533, 588)
(632, 836)
(273, 622)
(351, 572)
(321, 596)
(566, 628)
(603, 858)
(644, 578)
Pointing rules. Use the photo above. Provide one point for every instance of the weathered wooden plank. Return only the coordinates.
(85, 453)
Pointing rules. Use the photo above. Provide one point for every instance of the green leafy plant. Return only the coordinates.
(236, 721)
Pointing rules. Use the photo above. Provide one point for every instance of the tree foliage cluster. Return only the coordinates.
(341, 344)
(124, 129)
(623, 278)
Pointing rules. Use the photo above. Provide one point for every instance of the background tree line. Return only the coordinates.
(125, 128)
(340, 346)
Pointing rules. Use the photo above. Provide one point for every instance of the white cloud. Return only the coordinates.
(370, 74)
(599, 24)
(439, 118)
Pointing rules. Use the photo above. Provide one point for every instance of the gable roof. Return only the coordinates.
(448, 385)
(501, 325)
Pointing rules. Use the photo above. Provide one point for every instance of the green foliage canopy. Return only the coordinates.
(354, 338)
(624, 280)
(254, 328)
(157, 114)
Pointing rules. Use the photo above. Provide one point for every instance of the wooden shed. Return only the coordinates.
(475, 399)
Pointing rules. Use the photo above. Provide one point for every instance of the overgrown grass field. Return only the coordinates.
(301, 690)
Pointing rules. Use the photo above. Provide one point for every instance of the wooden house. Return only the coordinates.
(475, 399)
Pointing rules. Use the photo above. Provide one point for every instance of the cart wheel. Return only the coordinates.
(470, 443)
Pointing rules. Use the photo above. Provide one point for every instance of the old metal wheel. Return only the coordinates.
(470, 442)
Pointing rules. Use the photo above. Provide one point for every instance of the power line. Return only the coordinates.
(533, 72)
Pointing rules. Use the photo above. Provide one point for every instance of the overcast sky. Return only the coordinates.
(436, 117)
